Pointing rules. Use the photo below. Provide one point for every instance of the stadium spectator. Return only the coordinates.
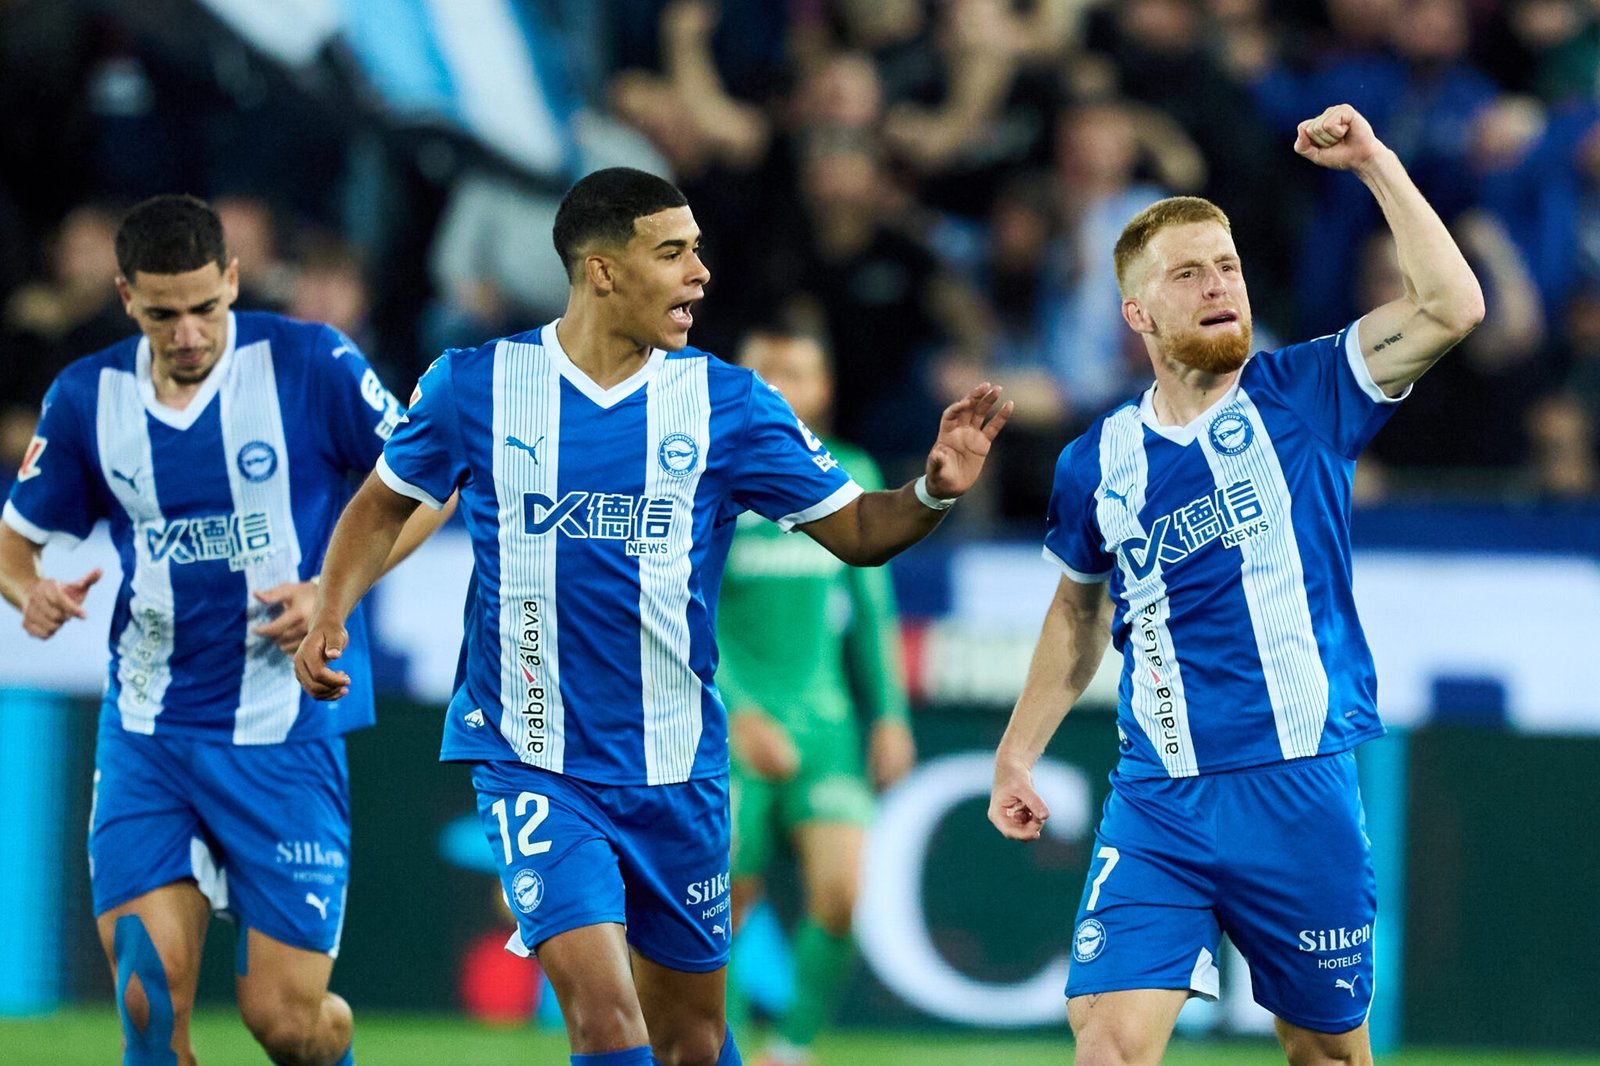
(1216, 507)
(887, 307)
(52, 320)
(796, 695)
(216, 783)
(1563, 461)
(603, 755)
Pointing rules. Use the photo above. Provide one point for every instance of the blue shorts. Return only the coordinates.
(264, 829)
(651, 857)
(1277, 857)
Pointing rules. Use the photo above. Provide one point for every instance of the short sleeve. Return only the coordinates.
(58, 494)
(1072, 537)
(783, 472)
(1327, 384)
(424, 458)
(359, 411)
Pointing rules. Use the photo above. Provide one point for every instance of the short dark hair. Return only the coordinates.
(170, 235)
(603, 207)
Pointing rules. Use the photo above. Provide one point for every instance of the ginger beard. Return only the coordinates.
(1212, 351)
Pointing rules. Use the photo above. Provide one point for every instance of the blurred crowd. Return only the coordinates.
(933, 187)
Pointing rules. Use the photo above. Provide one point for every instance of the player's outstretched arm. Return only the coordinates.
(877, 526)
(1073, 640)
(45, 603)
(357, 554)
(1443, 301)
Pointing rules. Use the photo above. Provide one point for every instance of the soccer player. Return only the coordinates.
(1217, 507)
(601, 465)
(219, 447)
(803, 637)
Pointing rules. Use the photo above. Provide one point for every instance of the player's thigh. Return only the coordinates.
(281, 985)
(684, 1011)
(830, 867)
(153, 943)
(593, 977)
(1145, 920)
(1300, 895)
(555, 851)
(672, 847)
(1128, 1028)
(279, 816)
(1307, 1047)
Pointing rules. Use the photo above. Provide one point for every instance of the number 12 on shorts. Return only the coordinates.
(1110, 855)
(526, 845)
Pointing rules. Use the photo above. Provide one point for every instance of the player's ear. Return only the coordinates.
(125, 292)
(230, 279)
(600, 271)
(1138, 320)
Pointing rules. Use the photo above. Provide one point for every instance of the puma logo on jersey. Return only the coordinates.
(319, 902)
(1340, 982)
(531, 449)
(131, 480)
(1120, 497)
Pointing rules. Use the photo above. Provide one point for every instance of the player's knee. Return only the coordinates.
(1303, 1047)
(598, 1026)
(697, 1043)
(289, 1029)
(1102, 1044)
(148, 1008)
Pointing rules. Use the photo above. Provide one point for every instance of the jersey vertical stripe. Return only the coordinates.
(1273, 578)
(678, 405)
(527, 406)
(144, 648)
(1154, 674)
(269, 695)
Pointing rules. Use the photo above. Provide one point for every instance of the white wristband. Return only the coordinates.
(920, 487)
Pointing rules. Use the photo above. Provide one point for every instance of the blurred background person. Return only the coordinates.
(797, 696)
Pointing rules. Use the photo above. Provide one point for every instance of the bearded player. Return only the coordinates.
(1204, 528)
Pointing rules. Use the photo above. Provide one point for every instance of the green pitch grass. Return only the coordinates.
(90, 1036)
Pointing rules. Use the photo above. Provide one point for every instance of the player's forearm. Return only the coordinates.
(421, 525)
(19, 566)
(360, 548)
(1437, 277)
(1071, 644)
(881, 525)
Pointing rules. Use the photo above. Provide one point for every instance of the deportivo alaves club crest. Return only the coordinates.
(257, 461)
(1231, 432)
(678, 454)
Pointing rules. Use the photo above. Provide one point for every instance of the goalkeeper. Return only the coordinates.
(805, 642)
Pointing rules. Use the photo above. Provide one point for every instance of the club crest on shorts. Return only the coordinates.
(527, 891)
(1088, 941)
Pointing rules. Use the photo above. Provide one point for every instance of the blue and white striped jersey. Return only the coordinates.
(234, 494)
(600, 521)
(1227, 547)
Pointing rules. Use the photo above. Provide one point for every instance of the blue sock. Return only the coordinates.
(632, 1056)
(730, 1053)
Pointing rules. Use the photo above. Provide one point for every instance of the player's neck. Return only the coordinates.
(1183, 394)
(604, 356)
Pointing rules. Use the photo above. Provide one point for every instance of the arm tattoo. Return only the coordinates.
(1381, 345)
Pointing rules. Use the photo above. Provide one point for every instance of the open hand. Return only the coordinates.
(966, 432)
(288, 629)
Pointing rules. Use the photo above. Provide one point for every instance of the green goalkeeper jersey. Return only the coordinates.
(804, 637)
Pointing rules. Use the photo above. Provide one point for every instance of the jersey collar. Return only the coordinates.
(172, 416)
(1185, 434)
(602, 398)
